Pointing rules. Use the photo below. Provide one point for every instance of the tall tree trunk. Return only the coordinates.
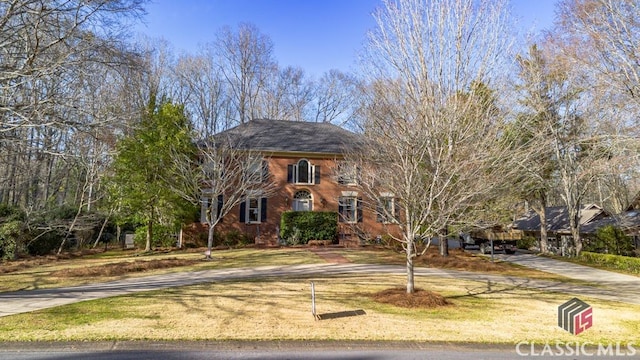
(542, 214)
(104, 224)
(410, 275)
(119, 234)
(210, 240)
(47, 185)
(147, 247)
(70, 230)
(12, 181)
(444, 242)
(544, 237)
(574, 222)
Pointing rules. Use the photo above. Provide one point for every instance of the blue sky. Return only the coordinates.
(315, 35)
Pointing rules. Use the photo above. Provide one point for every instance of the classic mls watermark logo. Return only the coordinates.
(575, 316)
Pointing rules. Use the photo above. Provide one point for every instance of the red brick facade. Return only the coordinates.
(324, 197)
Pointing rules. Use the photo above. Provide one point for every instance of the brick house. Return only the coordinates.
(303, 159)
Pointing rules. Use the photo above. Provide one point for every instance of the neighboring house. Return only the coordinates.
(557, 221)
(628, 221)
(306, 161)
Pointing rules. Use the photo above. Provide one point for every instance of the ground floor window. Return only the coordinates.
(302, 201)
(253, 210)
(387, 211)
(350, 209)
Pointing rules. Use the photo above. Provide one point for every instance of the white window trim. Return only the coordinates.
(255, 176)
(204, 206)
(354, 219)
(295, 201)
(312, 173)
(385, 219)
(347, 168)
(248, 210)
(207, 203)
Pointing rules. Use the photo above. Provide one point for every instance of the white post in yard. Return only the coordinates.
(313, 301)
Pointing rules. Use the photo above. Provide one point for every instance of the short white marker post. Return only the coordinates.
(313, 301)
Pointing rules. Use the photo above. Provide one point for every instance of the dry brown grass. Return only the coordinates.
(279, 309)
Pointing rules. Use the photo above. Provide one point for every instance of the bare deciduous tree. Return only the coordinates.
(222, 177)
(560, 126)
(204, 92)
(286, 96)
(599, 38)
(432, 120)
(334, 97)
(246, 60)
(61, 63)
(603, 35)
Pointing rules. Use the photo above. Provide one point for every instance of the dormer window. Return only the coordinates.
(303, 172)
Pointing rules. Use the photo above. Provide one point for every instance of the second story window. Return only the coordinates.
(347, 173)
(303, 172)
(256, 170)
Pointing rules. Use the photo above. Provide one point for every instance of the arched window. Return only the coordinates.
(302, 201)
(303, 172)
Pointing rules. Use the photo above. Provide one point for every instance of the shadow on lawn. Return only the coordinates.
(340, 314)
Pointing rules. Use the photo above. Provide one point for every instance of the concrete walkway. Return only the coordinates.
(611, 286)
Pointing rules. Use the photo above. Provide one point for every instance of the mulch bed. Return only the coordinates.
(329, 256)
(123, 268)
(420, 299)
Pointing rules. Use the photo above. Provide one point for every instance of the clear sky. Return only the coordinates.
(315, 35)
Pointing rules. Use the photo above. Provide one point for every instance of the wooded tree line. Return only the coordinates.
(473, 118)
(73, 84)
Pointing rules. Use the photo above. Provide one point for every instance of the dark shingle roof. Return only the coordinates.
(628, 220)
(557, 218)
(291, 136)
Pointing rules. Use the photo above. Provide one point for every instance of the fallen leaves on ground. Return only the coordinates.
(123, 268)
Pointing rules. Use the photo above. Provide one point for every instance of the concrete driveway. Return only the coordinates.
(570, 270)
(611, 286)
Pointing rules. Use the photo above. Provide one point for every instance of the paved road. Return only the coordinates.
(356, 350)
(254, 350)
(611, 286)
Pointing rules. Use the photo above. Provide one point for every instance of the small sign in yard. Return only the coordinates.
(128, 241)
